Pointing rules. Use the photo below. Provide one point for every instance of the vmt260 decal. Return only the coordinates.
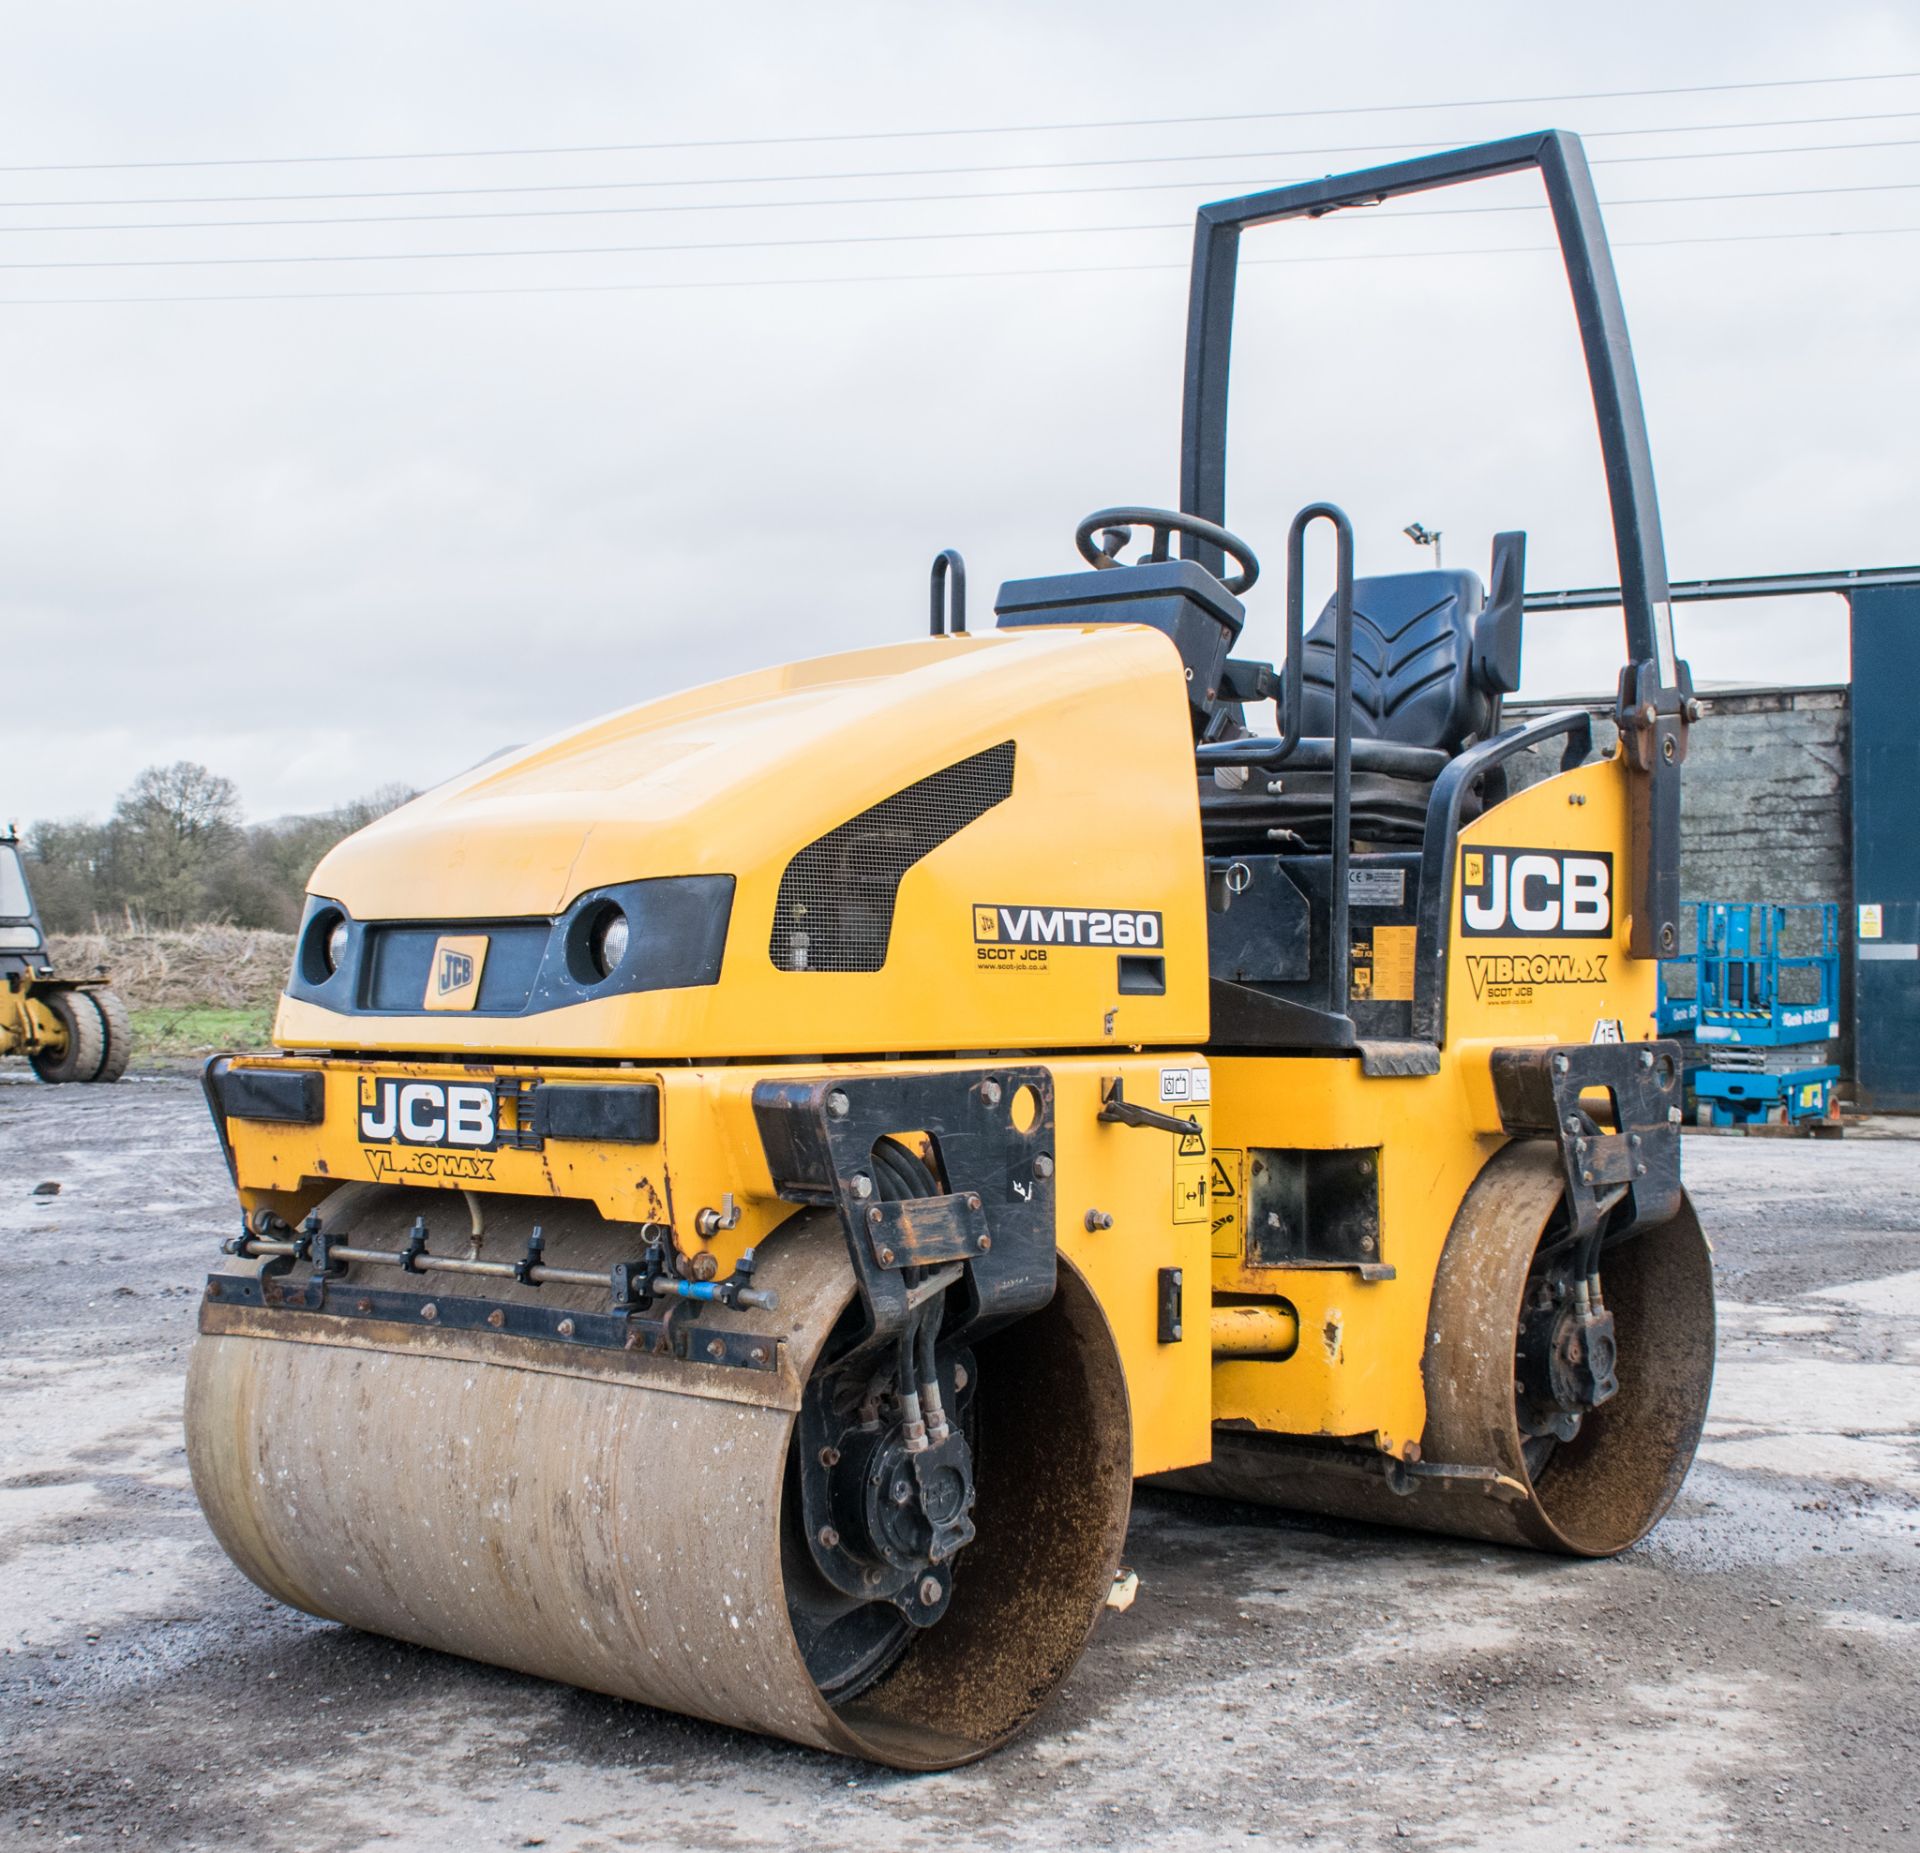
(994, 924)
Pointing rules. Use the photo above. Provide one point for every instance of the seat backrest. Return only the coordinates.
(1417, 679)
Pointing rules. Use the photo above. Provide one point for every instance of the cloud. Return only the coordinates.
(327, 545)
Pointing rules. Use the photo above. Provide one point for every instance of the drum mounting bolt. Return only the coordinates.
(838, 1104)
(930, 1591)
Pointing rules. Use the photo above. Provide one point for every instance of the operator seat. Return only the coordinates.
(1432, 660)
(1415, 679)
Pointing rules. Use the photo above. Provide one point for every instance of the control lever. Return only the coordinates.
(1115, 1107)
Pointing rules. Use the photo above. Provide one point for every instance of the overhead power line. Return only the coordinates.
(1185, 183)
(928, 173)
(930, 276)
(1026, 128)
(865, 238)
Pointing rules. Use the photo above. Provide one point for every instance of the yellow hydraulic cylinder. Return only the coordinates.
(1270, 1329)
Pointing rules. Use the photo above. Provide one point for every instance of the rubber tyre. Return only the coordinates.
(119, 1028)
(86, 1050)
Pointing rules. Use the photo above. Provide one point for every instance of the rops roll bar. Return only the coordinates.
(1656, 691)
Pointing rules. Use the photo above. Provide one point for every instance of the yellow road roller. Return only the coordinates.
(70, 1027)
(748, 1186)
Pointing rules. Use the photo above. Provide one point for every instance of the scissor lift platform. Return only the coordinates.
(1766, 995)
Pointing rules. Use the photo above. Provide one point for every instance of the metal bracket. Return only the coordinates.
(523, 1091)
(1168, 1297)
(1539, 1091)
(926, 1230)
(997, 1217)
(660, 1336)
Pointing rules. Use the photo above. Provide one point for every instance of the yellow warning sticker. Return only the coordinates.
(1393, 964)
(1225, 1201)
(1191, 1167)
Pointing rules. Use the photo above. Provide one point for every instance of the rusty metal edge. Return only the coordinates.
(777, 1389)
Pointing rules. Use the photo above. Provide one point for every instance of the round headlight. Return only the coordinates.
(609, 942)
(337, 945)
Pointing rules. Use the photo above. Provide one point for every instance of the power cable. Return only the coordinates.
(933, 276)
(1029, 128)
(864, 238)
(870, 199)
(926, 173)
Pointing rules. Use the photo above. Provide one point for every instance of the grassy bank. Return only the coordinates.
(191, 990)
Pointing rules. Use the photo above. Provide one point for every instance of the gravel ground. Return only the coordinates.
(1752, 1671)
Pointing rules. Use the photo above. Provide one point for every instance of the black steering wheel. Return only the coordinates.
(1115, 527)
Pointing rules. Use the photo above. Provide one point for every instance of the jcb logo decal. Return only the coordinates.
(1535, 894)
(1064, 926)
(444, 1113)
(453, 981)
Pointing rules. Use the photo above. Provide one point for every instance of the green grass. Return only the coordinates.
(199, 1030)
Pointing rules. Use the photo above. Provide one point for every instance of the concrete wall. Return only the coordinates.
(1766, 803)
(1765, 800)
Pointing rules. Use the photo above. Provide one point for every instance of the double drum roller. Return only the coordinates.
(745, 1187)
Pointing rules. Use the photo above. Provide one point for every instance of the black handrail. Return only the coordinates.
(948, 558)
(1267, 752)
(1340, 952)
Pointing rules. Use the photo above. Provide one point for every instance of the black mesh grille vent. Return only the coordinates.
(835, 910)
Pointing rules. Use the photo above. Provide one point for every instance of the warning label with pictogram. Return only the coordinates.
(1190, 1176)
(1225, 1192)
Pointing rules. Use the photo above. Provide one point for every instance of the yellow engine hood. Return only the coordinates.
(736, 777)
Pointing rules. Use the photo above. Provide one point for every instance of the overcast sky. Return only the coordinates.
(323, 543)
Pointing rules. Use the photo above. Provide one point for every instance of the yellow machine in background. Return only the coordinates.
(69, 1028)
(749, 1185)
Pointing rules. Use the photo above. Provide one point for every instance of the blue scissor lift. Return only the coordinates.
(1766, 1000)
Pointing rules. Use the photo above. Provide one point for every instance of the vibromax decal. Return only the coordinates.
(994, 924)
(1510, 977)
